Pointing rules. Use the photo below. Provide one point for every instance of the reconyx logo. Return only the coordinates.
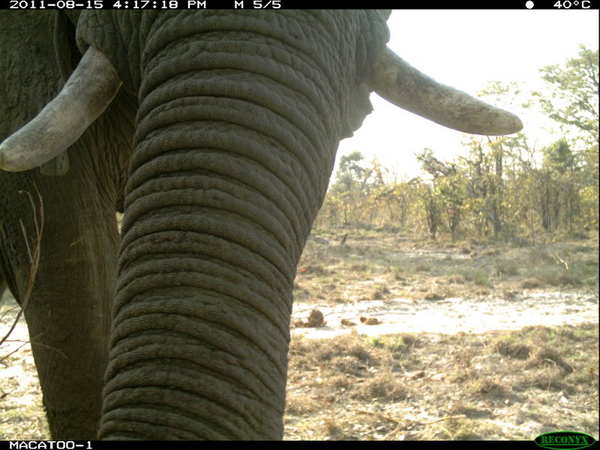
(564, 439)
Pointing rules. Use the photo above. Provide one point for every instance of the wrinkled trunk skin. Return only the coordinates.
(236, 136)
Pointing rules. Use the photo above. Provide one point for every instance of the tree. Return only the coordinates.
(431, 208)
(350, 174)
(448, 191)
(351, 187)
(573, 101)
(559, 157)
(564, 193)
(573, 104)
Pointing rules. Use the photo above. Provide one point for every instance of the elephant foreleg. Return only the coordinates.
(69, 310)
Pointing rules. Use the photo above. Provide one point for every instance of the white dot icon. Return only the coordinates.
(529, 4)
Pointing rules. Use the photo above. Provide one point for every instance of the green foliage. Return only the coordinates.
(431, 208)
(352, 175)
(558, 156)
(573, 100)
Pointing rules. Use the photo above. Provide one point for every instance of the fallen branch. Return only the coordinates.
(560, 260)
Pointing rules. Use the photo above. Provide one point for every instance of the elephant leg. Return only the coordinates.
(68, 311)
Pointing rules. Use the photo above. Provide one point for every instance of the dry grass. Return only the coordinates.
(379, 265)
(499, 385)
(495, 385)
(21, 413)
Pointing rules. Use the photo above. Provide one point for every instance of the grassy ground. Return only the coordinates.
(499, 385)
(375, 264)
(494, 385)
(21, 412)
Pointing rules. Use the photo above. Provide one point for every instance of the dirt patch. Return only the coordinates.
(451, 315)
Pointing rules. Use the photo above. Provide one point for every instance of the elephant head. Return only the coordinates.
(240, 115)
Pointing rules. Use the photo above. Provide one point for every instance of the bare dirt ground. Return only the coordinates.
(416, 341)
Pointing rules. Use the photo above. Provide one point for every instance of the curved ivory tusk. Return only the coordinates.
(87, 93)
(406, 87)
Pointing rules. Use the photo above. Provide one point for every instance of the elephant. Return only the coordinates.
(215, 133)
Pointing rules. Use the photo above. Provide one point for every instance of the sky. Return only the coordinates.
(466, 49)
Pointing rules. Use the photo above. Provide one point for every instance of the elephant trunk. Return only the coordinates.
(225, 184)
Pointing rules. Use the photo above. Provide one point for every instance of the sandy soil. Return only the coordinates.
(450, 315)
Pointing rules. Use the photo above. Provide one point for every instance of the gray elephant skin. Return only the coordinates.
(218, 146)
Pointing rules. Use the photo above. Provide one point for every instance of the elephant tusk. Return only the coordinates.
(406, 87)
(87, 93)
